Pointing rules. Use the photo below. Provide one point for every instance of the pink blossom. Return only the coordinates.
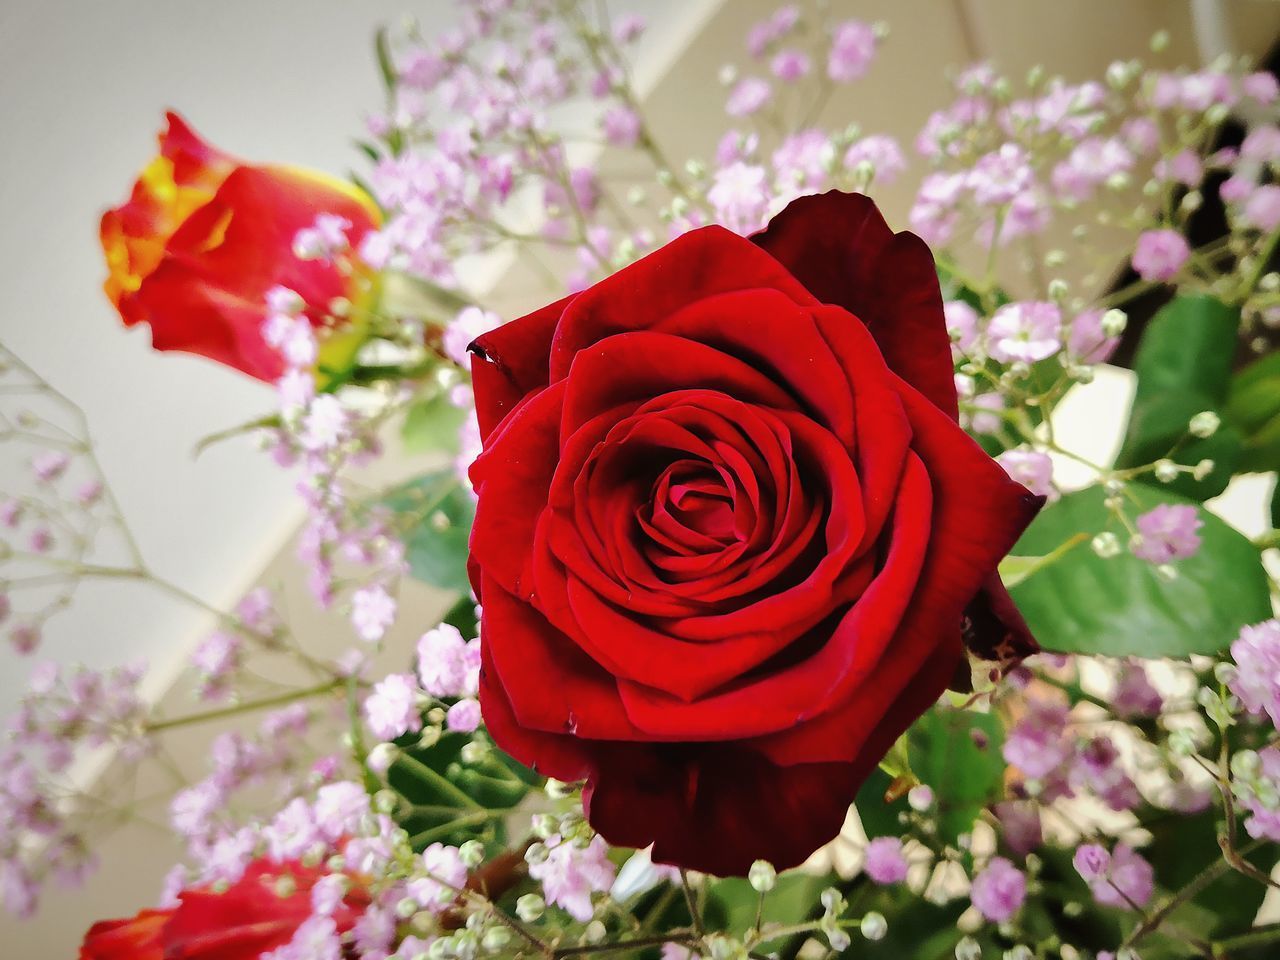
(1097, 768)
(748, 97)
(373, 610)
(628, 28)
(962, 326)
(1160, 254)
(1262, 208)
(1235, 189)
(88, 493)
(570, 874)
(470, 323)
(1263, 822)
(10, 513)
(391, 710)
(853, 46)
(49, 465)
(1256, 652)
(881, 152)
(1262, 144)
(441, 661)
(1031, 469)
(790, 65)
(1020, 824)
(621, 126)
(1142, 134)
(1038, 744)
(739, 195)
(1134, 696)
(803, 159)
(1026, 331)
(1183, 167)
(998, 891)
(1129, 880)
(1260, 86)
(446, 876)
(1092, 862)
(1167, 532)
(1087, 341)
(463, 716)
(771, 29)
(884, 862)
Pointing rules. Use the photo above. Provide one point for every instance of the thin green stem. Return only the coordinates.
(247, 707)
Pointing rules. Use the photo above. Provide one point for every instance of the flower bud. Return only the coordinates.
(1202, 469)
(595, 932)
(495, 938)
(471, 853)
(530, 907)
(762, 876)
(1204, 424)
(1166, 471)
(968, 949)
(1106, 545)
(1113, 322)
(920, 798)
(874, 926)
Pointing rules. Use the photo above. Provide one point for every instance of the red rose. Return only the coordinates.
(729, 535)
(258, 913)
(202, 239)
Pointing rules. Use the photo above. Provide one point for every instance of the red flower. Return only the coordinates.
(202, 239)
(729, 534)
(258, 913)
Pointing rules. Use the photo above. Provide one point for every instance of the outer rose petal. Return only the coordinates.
(509, 362)
(137, 938)
(838, 245)
(691, 268)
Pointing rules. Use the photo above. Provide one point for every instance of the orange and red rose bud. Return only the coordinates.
(204, 237)
(258, 913)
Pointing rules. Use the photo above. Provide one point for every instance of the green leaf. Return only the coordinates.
(450, 801)
(386, 65)
(1184, 367)
(1183, 845)
(1120, 606)
(432, 423)
(957, 753)
(879, 816)
(787, 903)
(1253, 408)
(433, 515)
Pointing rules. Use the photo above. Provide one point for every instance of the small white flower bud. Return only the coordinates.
(471, 853)
(1058, 289)
(1114, 321)
(1166, 471)
(1202, 469)
(1204, 424)
(1106, 544)
(537, 853)
(495, 938)
(920, 798)
(530, 907)
(595, 932)
(874, 926)
(762, 876)
(968, 949)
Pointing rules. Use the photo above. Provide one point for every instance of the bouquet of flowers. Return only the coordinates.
(767, 629)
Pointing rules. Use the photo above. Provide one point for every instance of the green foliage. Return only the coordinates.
(1253, 409)
(957, 753)
(432, 423)
(1184, 367)
(879, 816)
(451, 801)
(434, 514)
(787, 903)
(1121, 606)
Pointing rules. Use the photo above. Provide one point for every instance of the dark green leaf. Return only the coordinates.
(1120, 606)
(1253, 408)
(450, 801)
(386, 65)
(879, 817)
(1183, 845)
(788, 903)
(433, 515)
(1184, 367)
(957, 753)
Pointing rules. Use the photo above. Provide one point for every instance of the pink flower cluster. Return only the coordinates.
(448, 668)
